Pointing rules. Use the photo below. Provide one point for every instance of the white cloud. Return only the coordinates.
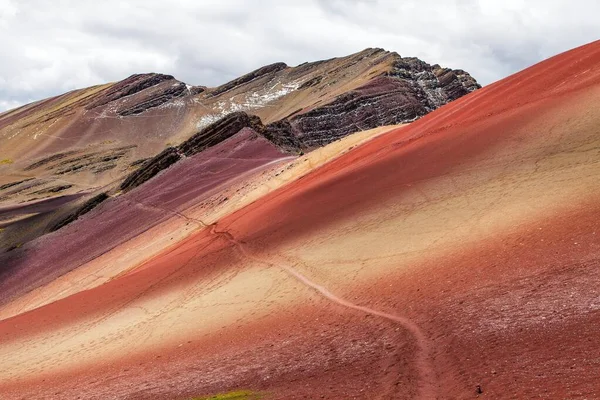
(50, 47)
(9, 104)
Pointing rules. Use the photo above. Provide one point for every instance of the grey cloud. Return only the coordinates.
(51, 47)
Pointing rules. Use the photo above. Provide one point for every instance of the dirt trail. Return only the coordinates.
(426, 389)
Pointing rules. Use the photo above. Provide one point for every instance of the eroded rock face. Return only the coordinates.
(383, 101)
(79, 161)
(206, 138)
(148, 99)
(410, 89)
(219, 131)
(268, 69)
(84, 209)
(456, 83)
(127, 87)
(281, 133)
(142, 92)
(438, 85)
(150, 168)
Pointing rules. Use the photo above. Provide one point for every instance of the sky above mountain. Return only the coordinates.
(48, 48)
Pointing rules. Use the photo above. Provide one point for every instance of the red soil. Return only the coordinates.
(511, 316)
(483, 328)
(430, 147)
(554, 357)
(188, 183)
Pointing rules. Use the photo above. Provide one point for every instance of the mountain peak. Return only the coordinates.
(99, 134)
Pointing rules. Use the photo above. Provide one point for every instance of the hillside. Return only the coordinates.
(453, 257)
(65, 151)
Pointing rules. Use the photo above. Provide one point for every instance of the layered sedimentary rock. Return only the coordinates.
(151, 168)
(130, 86)
(455, 83)
(383, 101)
(84, 160)
(92, 139)
(411, 265)
(139, 93)
(282, 134)
(410, 89)
(155, 111)
(268, 69)
(210, 136)
(433, 84)
(219, 131)
(278, 133)
(84, 209)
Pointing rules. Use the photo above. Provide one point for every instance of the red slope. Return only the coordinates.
(458, 300)
(188, 183)
(428, 148)
(560, 361)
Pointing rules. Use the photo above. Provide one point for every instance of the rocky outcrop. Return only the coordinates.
(456, 83)
(219, 131)
(377, 88)
(23, 187)
(127, 87)
(207, 137)
(12, 184)
(150, 168)
(383, 101)
(154, 98)
(139, 93)
(82, 160)
(268, 69)
(409, 89)
(49, 160)
(84, 209)
(281, 133)
(53, 189)
(435, 85)
(312, 82)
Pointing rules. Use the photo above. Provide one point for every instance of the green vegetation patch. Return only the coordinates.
(237, 395)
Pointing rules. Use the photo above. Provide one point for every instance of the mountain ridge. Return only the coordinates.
(88, 141)
(456, 256)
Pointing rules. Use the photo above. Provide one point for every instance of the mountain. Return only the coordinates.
(453, 257)
(61, 153)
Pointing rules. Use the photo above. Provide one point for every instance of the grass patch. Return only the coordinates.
(237, 395)
(6, 161)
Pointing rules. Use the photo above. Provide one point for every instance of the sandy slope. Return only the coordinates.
(454, 258)
(163, 212)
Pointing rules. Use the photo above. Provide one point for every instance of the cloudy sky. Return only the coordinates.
(49, 47)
